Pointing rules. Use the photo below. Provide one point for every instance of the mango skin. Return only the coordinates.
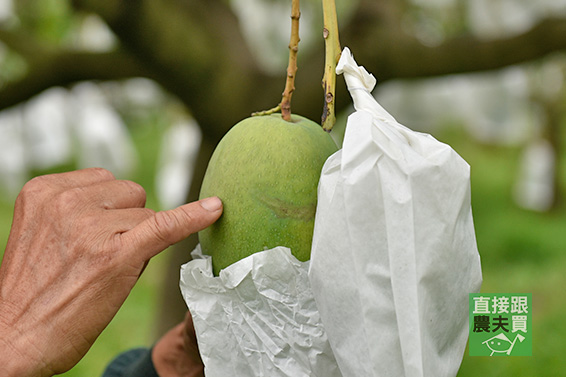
(266, 172)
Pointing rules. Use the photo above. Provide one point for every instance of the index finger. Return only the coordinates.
(166, 228)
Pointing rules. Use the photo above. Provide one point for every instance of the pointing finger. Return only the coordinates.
(166, 228)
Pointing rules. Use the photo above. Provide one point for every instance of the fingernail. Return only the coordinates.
(211, 204)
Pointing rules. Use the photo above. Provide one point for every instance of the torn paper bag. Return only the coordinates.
(258, 318)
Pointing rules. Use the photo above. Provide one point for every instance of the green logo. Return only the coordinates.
(500, 324)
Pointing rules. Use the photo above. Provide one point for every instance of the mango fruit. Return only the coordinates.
(266, 171)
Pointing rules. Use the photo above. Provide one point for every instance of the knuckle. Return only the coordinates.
(70, 196)
(168, 225)
(35, 184)
(102, 173)
(164, 222)
(34, 191)
(187, 216)
(111, 250)
(68, 200)
(124, 188)
(147, 212)
(136, 190)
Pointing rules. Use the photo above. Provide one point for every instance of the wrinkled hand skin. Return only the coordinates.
(78, 244)
(176, 353)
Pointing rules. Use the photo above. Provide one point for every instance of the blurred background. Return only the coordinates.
(147, 88)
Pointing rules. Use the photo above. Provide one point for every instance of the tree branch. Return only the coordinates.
(395, 56)
(61, 68)
(22, 43)
(195, 50)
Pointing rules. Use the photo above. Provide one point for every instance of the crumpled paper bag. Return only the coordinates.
(257, 318)
(394, 253)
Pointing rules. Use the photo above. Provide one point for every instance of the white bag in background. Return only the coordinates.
(394, 253)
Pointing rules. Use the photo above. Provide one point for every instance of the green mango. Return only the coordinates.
(266, 172)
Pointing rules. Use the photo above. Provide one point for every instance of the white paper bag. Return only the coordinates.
(394, 253)
(258, 318)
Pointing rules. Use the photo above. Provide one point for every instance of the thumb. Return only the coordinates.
(166, 228)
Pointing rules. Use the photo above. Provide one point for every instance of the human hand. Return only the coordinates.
(176, 353)
(78, 244)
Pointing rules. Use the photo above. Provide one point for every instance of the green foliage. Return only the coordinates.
(522, 252)
(50, 20)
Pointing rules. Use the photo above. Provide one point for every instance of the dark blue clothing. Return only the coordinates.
(133, 363)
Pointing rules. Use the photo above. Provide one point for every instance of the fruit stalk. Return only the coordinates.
(285, 105)
(292, 66)
(332, 55)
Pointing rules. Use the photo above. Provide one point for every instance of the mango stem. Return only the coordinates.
(292, 66)
(332, 55)
(285, 105)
